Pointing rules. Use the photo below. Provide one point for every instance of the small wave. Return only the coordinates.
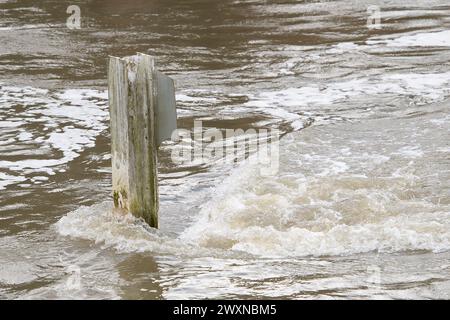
(123, 232)
(101, 224)
(331, 197)
(324, 217)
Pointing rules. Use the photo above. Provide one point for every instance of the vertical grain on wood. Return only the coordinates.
(132, 91)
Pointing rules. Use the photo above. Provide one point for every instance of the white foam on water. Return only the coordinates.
(423, 39)
(69, 121)
(274, 224)
(191, 99)
(39, 178)
(332, 196)
(339, 192)
(283, 103)
(7, 179)
(343, 47)
(123, 232)
(16, 273)
(411, 151)
(25, 136)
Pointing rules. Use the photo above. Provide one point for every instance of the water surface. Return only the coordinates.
(359, 209)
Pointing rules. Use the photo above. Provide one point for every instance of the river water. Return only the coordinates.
(360, 207)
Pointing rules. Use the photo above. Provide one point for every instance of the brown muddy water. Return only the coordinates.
(360, 207)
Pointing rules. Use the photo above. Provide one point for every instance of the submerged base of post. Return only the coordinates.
(132, 99)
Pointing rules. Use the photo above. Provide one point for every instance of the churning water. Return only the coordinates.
(360, 206)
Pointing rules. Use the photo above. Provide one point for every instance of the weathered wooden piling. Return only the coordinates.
(137, 95)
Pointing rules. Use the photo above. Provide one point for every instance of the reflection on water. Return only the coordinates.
(360, 207)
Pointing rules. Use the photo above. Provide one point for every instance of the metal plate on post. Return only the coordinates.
(165, 110)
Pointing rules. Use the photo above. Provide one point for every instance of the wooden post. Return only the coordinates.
(132, 99)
